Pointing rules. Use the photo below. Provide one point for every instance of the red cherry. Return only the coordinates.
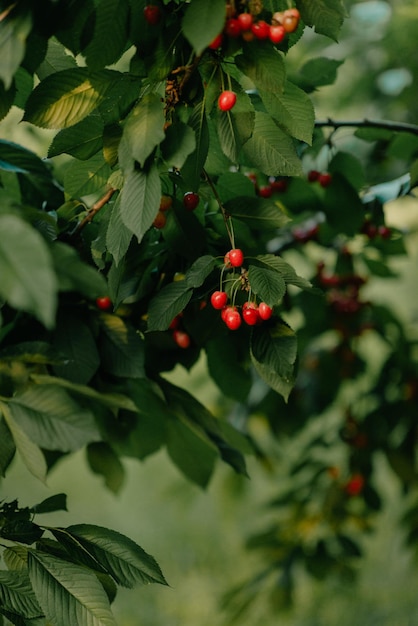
(355, 485)
(250, 313)
(245, 20)
(265, 311)
(277, 33)
(278, 185)
(166, 203)
(181, 338)
(160, 220)
(233, 27)
(175, 322)
(265, 191)
(384, 231)
(219, 299)
(152, 14)
(217, 42)
(325, 179)
(190, 200)
(104, 303)
(313, 175)
(232, 318)
(290, 23)
(261, 29)
(227, 100)
(234, 258)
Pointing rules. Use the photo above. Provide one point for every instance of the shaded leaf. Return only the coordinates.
(168, 303)
(140, 200)
(202, 22)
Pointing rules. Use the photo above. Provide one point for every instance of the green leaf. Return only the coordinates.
(15, 27)
(342, 206)
(199, 271)
(29, 452)
(56, 60)
(276, 263)
(7, 447)
(16, 594)
(226, 368)
(16, 558)
(82, 178)
(103, 460)
(81, 141)
(109, 35)
(179, 143)
(144, 128)
(53, 503)
(230, 185)
(325, 16)
(66, 97)
(235, 127)
(140, 200)
(202, 22)
(7, 97)
(273, 354)
(192, 168)
(267, 284)
(168, 303)
(191, 450)
(319, 72)
(15, 158)
(121, 557)
(121, 347)
(52, 419)
(68, 593)
(184, 233)
(271, 150)
(74, 339)
(28, 281)
(292, 110)
(264, 66)
(111, 400)
(75, 275)
(258, 213)
(118, 236)
(350, 167)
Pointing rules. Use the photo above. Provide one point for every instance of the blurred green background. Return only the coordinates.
(198, 537)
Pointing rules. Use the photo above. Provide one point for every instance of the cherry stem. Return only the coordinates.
(365, 123)
(227, 219)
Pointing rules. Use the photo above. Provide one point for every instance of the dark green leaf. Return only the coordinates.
(14, 30)
(199, 271)
(273, 353)
(121, 347)
(121, 557)
(74, 275)
(179, 143)
(267, 284)
(7, 447)
(103, 460)
(319, 72)
(258, 213)
(53, 503)
(168, 303)
(202, 22)
(74, 340)
(82, 140)
(325, 16)
(144, 128)
(109, 35)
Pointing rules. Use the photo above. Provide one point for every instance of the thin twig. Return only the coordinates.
(92, 212)
(365, 123)
(221, 206)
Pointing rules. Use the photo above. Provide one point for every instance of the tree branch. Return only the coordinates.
(94, 210)
(384, 125)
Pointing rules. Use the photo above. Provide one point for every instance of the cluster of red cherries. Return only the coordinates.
(244, 25)
(251, 312)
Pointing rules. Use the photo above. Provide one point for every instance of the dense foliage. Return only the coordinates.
(190, 206)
